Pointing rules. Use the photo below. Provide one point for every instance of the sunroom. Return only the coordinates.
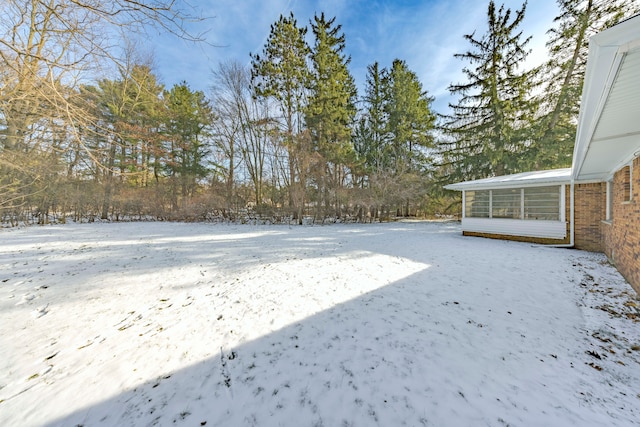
(531, 206)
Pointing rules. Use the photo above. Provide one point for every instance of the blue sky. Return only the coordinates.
(426, 34)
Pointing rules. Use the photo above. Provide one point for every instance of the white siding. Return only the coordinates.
(516, 227)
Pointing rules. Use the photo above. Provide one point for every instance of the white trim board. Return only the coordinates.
(516, 227)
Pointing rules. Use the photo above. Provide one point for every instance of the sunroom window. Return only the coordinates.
(542, 203)
(477, 204)
(506, 203)
(531, 203)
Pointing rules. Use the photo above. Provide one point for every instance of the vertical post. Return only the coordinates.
(464, 204)
(490, 203)
(563, 203)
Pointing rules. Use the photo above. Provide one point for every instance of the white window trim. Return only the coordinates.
(563, 203)
(464, 204)
(490, 204)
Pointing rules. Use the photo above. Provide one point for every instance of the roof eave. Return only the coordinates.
(606, 51)
(560, 177)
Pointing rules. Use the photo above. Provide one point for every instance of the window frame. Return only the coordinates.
(509, 204)
(468, 205)
(518, 203)
(555, 196)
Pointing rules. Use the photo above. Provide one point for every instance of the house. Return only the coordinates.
(594, 205)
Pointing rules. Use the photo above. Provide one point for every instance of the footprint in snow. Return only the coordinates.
(25, 299)
(41, 311)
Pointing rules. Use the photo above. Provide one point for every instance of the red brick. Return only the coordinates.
(589, 211)
(621, 235)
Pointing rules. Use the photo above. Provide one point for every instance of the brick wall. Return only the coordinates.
(590, 210)
(621, 235)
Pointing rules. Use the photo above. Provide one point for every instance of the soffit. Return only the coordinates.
(617, 134)
(609, 125)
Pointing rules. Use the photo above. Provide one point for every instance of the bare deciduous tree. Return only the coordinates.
(242, 123)
(47, 48)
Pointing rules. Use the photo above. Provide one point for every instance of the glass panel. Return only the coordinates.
(477, 204)
(542, 203)
(506, 203)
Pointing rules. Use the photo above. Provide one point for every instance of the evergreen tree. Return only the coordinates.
(369, 134)
(410, 120)
(282, 73)
(132, 110)
(564, 74)
(139, 117)
(488, 129)
(189, 115)
(331, 107)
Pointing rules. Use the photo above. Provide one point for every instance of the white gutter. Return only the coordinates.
(572, 217)
(572, 213)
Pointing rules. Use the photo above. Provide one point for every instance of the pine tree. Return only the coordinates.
(410, 120)
(564, 74)
(331, 108)
(488, 128)
(370, 132)
(132, 110)
(189, 115)
(282, 73)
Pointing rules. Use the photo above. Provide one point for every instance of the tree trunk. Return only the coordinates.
(106, 201)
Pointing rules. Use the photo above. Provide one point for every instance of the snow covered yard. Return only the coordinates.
(346, 325)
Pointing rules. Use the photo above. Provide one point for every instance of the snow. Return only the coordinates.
(347, 325)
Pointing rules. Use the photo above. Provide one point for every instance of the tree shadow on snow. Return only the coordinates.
(422, 350)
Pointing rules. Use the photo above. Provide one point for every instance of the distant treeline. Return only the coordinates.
(287, 138)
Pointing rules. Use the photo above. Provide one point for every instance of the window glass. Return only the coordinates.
(506, 203)
(542, 203)
(477, 204)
